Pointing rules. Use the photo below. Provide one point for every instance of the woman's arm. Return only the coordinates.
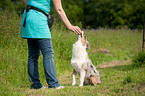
(25, 1)
(63, 17)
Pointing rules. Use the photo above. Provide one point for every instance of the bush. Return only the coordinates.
(114, 13)
(139, 60)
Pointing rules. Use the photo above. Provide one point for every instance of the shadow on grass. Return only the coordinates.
(119, 68)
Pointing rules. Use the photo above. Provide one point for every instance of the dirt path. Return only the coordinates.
(113, 63)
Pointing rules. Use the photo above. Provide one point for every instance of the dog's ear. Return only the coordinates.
(87, 43)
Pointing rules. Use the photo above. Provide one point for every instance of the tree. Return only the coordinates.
(112, 13)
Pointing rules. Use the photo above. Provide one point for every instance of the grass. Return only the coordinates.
(118, 45)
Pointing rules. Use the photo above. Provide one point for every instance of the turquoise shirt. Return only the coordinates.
(36, 22)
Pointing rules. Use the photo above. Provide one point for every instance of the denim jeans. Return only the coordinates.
(34, 48)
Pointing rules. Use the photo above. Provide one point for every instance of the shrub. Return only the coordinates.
(139, 60)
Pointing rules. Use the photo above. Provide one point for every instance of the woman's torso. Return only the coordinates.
(36, 22)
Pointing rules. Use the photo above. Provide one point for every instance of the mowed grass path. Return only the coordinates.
(113, 49)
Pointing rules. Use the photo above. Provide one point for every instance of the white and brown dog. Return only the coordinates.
(81, 63)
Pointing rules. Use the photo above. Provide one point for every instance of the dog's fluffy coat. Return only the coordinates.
(82, 65)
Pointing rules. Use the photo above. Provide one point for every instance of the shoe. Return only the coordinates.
(36, 86)
(43, 87)
(60, 87)
(32, 87)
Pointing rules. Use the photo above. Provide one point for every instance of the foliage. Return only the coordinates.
(95, 13)
(139, 60)
(12, 5)
(113, 13)
(74, 10)
(6, 4)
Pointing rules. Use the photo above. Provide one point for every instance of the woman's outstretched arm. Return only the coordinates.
(63, 17)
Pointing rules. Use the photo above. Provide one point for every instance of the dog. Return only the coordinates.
(82, 65)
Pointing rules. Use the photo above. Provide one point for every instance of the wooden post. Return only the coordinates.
(143, 43)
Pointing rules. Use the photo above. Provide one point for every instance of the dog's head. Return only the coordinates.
(84, 41)
(93, 80)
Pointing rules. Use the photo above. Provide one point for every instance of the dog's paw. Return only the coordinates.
(80, 85)
(74, 83)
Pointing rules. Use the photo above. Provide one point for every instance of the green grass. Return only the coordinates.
(122, 44)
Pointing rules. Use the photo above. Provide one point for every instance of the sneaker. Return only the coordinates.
(36, 86)
(32, 87)
(60, 87)
(43, 87)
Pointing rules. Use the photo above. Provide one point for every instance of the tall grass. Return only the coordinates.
(121, 45)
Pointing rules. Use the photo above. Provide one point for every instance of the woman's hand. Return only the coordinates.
(75, 29)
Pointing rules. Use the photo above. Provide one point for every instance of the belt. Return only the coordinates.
(34, 8)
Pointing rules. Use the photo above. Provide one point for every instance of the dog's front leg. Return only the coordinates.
(73, 77)
(82, 77)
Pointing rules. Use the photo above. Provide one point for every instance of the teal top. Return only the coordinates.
(36, 22)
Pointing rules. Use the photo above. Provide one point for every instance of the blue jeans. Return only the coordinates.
(45, 46)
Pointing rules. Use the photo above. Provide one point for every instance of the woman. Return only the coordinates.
(34, 27)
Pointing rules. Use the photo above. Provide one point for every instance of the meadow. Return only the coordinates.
(111, 51)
